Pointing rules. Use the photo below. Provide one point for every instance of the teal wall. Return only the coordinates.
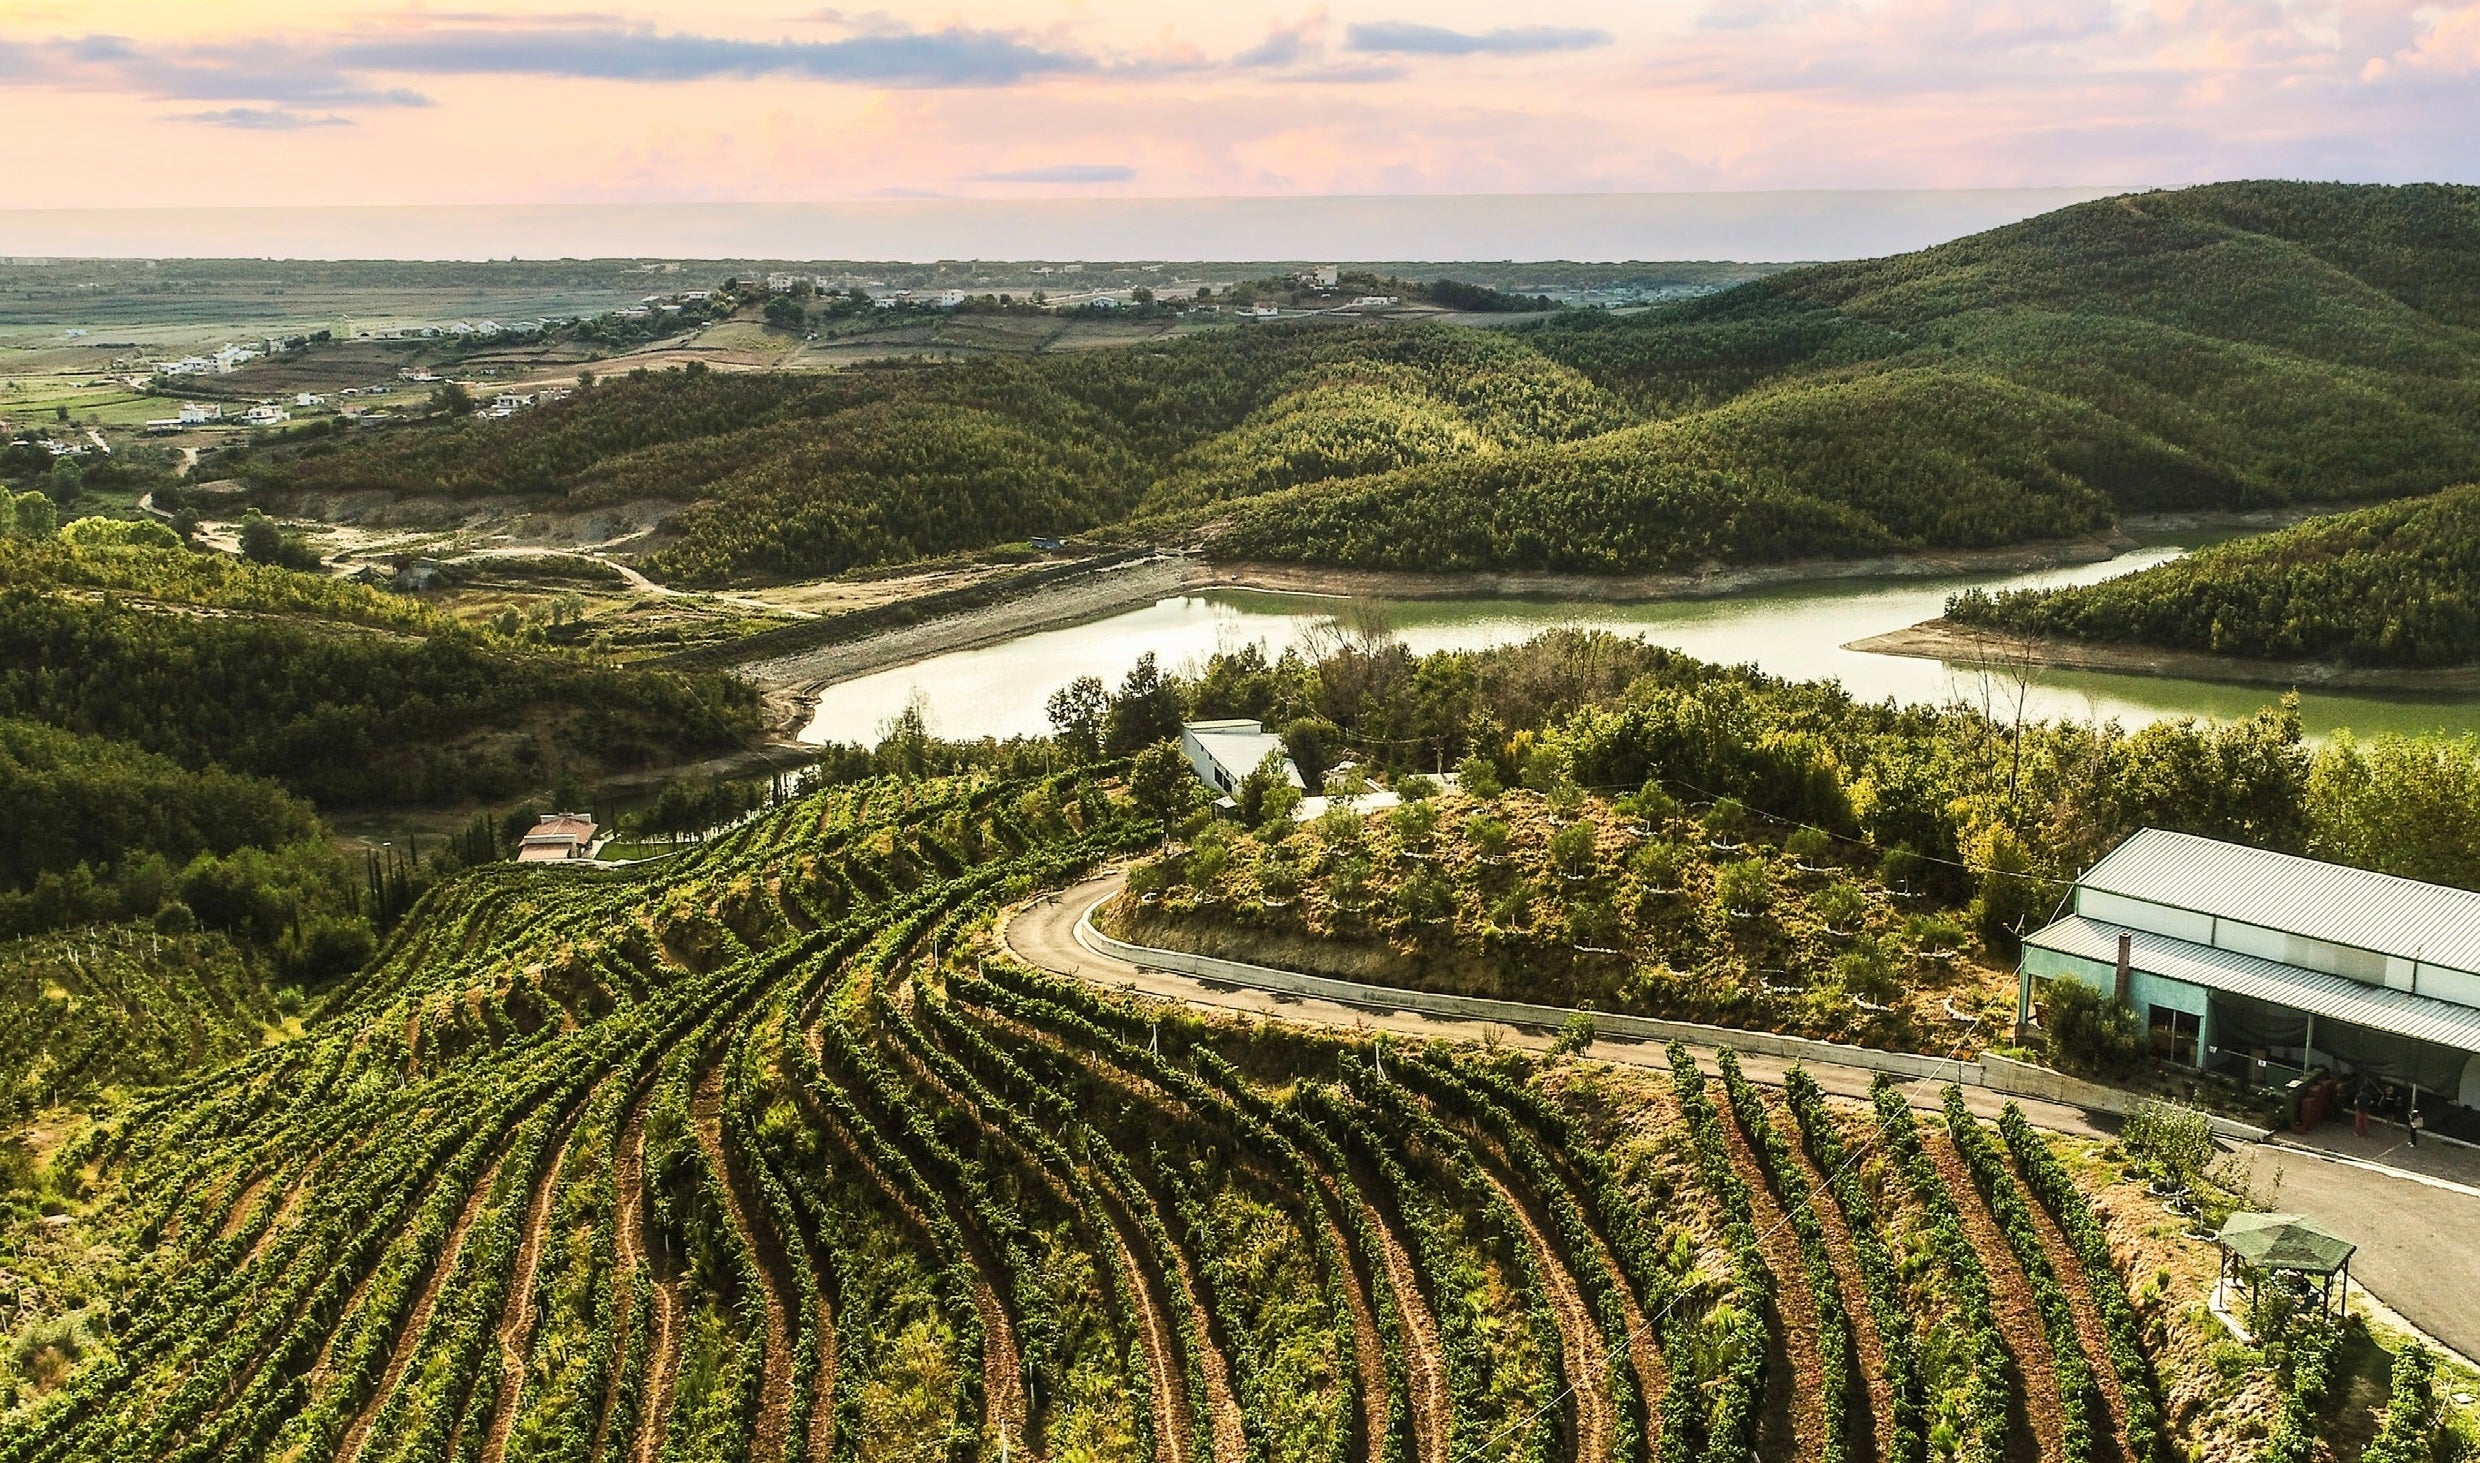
(2145, 990)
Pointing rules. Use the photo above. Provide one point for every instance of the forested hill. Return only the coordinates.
(2243, 344)
(2393, 585)
(338, 692)
(2240, 344)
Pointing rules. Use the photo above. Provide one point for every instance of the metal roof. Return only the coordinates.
(2379, 1008)
(2285, 1242)
(1239, 751)
(2300, 896)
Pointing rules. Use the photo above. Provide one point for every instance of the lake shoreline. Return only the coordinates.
(1710, 582)
(1944, 640)
(795, 684)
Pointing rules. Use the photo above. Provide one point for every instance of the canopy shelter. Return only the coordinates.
(2255, 1245)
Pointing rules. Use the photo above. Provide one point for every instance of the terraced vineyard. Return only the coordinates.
(761, 1152)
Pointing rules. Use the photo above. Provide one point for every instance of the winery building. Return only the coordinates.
(1223, 752)
(2264, 965)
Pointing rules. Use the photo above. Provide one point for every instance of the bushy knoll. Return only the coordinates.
(1635, 906)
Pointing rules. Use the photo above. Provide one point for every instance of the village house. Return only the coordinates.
(559, 837)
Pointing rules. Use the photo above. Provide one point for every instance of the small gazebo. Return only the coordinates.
(2255, 1245)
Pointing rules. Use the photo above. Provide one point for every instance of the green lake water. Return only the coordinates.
(1797, 632)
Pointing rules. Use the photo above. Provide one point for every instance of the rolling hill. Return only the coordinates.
(2397, 584)
(342, 693)
(2229, 346)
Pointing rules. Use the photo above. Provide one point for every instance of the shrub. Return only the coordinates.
(1743, 887)
(1572, 847)
(1811, 846)
(2088, 1031)
(1488, 835)
(1841, 905)
(1478, 776)
(1575, 1037)
(2174, 1139)
(114, 532)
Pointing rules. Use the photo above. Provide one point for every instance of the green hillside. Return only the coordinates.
(2219, 347)
(774, 1150)
(2240, 345)
(2227, 346)
(2393, 585)
(341, 693)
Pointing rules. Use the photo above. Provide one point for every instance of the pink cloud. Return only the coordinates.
(1001, 97)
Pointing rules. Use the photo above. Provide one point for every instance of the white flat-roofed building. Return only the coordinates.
(2264, 964)
(1223, 752)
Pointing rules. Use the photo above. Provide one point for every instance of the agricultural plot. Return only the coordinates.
(761, 1152)
(1632, 904)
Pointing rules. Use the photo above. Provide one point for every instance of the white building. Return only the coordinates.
(782, 284)
(558, 838)
(950, 299)
(1223, 752)
(2264, 965)
(309, 398)
(195, 412)
(266, 414)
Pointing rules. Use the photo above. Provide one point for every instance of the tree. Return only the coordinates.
(783, 312)
(1314, 743)
(1163, 784)
(28, 515)
(1265, 786)
(1147, 709)
(65, 483)
(262, 542)
(452, 399)
(1078, 712)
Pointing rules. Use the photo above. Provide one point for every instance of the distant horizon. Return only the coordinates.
(1735, 225)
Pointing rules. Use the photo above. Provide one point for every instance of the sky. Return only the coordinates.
(192, 103)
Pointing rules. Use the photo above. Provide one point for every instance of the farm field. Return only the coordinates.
(764, 1150)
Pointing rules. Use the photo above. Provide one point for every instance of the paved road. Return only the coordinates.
(2419, 1235)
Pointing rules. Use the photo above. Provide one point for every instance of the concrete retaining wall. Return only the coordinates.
(1520, 1013)
(1998, 1074)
